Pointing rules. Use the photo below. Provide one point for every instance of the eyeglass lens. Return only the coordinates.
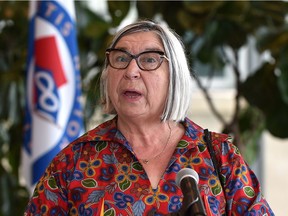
(149, 60)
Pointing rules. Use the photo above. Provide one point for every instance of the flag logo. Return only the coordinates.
(49, 77)
(53, 112)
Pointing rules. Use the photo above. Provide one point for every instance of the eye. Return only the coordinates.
(121, 58)
(149, 58)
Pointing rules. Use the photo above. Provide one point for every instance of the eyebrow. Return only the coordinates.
(147, 49)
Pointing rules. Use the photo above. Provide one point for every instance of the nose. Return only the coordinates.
(132, 71)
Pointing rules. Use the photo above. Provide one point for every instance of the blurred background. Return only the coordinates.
(238, 53)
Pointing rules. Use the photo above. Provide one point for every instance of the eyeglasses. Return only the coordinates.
(147, 61)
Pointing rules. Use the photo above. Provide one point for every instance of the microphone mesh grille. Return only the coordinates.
(186, 172)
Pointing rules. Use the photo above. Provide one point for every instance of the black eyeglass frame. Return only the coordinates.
(161, 53)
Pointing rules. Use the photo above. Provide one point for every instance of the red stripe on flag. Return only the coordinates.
(47, 57)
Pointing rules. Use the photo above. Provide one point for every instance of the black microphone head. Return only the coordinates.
(186, 172)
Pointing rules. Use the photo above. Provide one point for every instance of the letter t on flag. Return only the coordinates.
(53, 111)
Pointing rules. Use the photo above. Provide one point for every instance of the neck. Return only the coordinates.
(141, 134)
(149, 141)
(137, 127)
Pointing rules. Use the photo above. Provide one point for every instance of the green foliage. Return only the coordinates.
(118, 11)
(251, 124)
(207, 29)
(262, 90)
(13, 48)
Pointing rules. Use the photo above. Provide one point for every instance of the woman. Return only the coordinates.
(128, 165)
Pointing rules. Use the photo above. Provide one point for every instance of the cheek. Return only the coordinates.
(112, 84)
(160, 86)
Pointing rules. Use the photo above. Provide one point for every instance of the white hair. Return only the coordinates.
(180, 79)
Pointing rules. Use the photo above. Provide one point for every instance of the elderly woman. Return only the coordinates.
(128, 165)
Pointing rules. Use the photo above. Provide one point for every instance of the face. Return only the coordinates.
(136, 93)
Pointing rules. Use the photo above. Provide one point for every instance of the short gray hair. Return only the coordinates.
(180, 79)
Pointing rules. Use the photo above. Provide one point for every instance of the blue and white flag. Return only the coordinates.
(53, 112)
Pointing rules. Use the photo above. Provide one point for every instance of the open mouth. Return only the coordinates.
(132, 94)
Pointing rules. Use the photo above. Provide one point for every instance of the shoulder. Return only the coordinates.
(223, 147)
(221, 143)
(226, 153)
(103, 133)
(84, 147)
(193, 128)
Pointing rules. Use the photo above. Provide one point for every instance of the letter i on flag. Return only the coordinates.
(53, 111)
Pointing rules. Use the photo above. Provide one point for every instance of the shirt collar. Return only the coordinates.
(108, 131)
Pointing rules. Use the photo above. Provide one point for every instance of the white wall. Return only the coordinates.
(276, 173)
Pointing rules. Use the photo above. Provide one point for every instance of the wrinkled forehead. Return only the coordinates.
(140, 41)
(138, 29)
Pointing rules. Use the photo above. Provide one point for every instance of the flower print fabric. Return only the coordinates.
(101, 167)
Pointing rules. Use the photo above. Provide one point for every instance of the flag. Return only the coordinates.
(53, 110)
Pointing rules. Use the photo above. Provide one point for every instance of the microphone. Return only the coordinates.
(187, 179)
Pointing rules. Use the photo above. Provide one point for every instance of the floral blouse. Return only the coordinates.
(99, 174)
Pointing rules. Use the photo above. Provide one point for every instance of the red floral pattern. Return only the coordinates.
(101, 166)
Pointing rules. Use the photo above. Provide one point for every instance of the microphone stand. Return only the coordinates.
(192, 204)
